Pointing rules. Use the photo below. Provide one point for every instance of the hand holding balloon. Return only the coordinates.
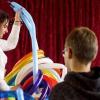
(17, 20)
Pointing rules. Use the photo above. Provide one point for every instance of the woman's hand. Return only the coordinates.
(17, 18)
(15, 87)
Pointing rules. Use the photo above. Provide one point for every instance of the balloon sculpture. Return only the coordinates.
(35, 73)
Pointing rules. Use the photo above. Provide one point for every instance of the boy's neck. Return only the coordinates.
(79, 67)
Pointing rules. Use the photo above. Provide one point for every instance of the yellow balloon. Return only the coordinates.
(11, 98)
(20, 64)
(47, 72)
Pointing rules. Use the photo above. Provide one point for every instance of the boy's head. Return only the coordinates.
(83, 44)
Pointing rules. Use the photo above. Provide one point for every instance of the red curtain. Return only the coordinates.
(54, 19)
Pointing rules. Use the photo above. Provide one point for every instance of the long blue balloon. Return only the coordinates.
(20, 94)
(27, 19)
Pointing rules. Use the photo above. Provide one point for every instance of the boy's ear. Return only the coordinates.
(69, 53)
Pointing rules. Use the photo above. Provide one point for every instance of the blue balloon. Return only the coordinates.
(20, 94)
(27, 19)
(7, 94)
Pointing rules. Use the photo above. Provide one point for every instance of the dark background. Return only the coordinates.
(54, 19)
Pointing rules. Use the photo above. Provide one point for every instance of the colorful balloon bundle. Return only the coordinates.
(50, 74)
(35, 73)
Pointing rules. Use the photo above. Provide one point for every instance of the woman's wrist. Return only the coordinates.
(17, 22)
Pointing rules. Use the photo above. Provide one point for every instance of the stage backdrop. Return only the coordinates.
(54, 19)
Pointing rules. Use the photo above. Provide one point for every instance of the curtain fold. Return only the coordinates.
(54, 19)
